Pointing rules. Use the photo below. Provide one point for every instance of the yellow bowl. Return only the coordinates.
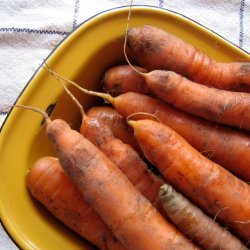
(83, 57)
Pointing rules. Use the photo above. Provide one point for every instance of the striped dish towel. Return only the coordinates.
(30, 29)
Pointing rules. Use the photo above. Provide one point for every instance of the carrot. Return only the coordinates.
(224, 145)
(214, 189)
(231, 108)
(48, 183)
(221, 106)
(121, 79)
(154, 49)
(125, 158)
(116, 122)
(123, 155)
(195, 224)
(131, 217)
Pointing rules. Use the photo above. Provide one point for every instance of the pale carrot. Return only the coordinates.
(195, 224)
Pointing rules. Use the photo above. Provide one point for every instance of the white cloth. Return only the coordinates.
(30, 29)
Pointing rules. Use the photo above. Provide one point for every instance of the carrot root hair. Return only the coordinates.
(39, 111)
(243, 222)
(60, 81)
(223, 208)
(126, 38)
(105, 96)
(143, 113)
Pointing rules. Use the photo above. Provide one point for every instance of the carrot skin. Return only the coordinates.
(154, 49)
(48, 183)
(196, 224)
(125, 158)
(207, 184)
(131, 217)
(121, 79)
(117, 123)
(226, 146)
(221, 106)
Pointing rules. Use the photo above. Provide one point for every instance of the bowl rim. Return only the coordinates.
(4, 223)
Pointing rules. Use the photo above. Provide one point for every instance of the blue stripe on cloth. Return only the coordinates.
(3, 113)
(27, 30)
(241, 34)
(76, 13)
(161, 3)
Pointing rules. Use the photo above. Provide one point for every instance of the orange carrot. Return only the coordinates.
(224, 145)
(48, 183)
(121, 79)
(195, 224)
(221, 106)
(207, 184)
(131, 217)
(116, 122)
(154, 49)
(125, 158)
(231, 108)
(123, 155)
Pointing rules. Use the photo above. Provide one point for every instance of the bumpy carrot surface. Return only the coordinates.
(48, 183)
(121, 79)
(227, 107)
(116, 122)
(154, 48)
(125, 158)
(231, 148)
(123, 155)
(207, 184)
(131, 217)
(196, 224)
(224, 145)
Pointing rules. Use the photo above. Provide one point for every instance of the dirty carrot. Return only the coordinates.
(195, 224)
(207, 184)
(154, 48)
(123, 155)
(110, 193)
(48, 184)
(116, 122)
(121, 79)
(126, 159)
(221, 106)
(224, 145)
(130, 216)
(231, 108)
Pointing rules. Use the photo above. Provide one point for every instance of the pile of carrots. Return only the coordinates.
(185, 116)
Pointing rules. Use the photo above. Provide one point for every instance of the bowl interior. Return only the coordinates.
(82, 57)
